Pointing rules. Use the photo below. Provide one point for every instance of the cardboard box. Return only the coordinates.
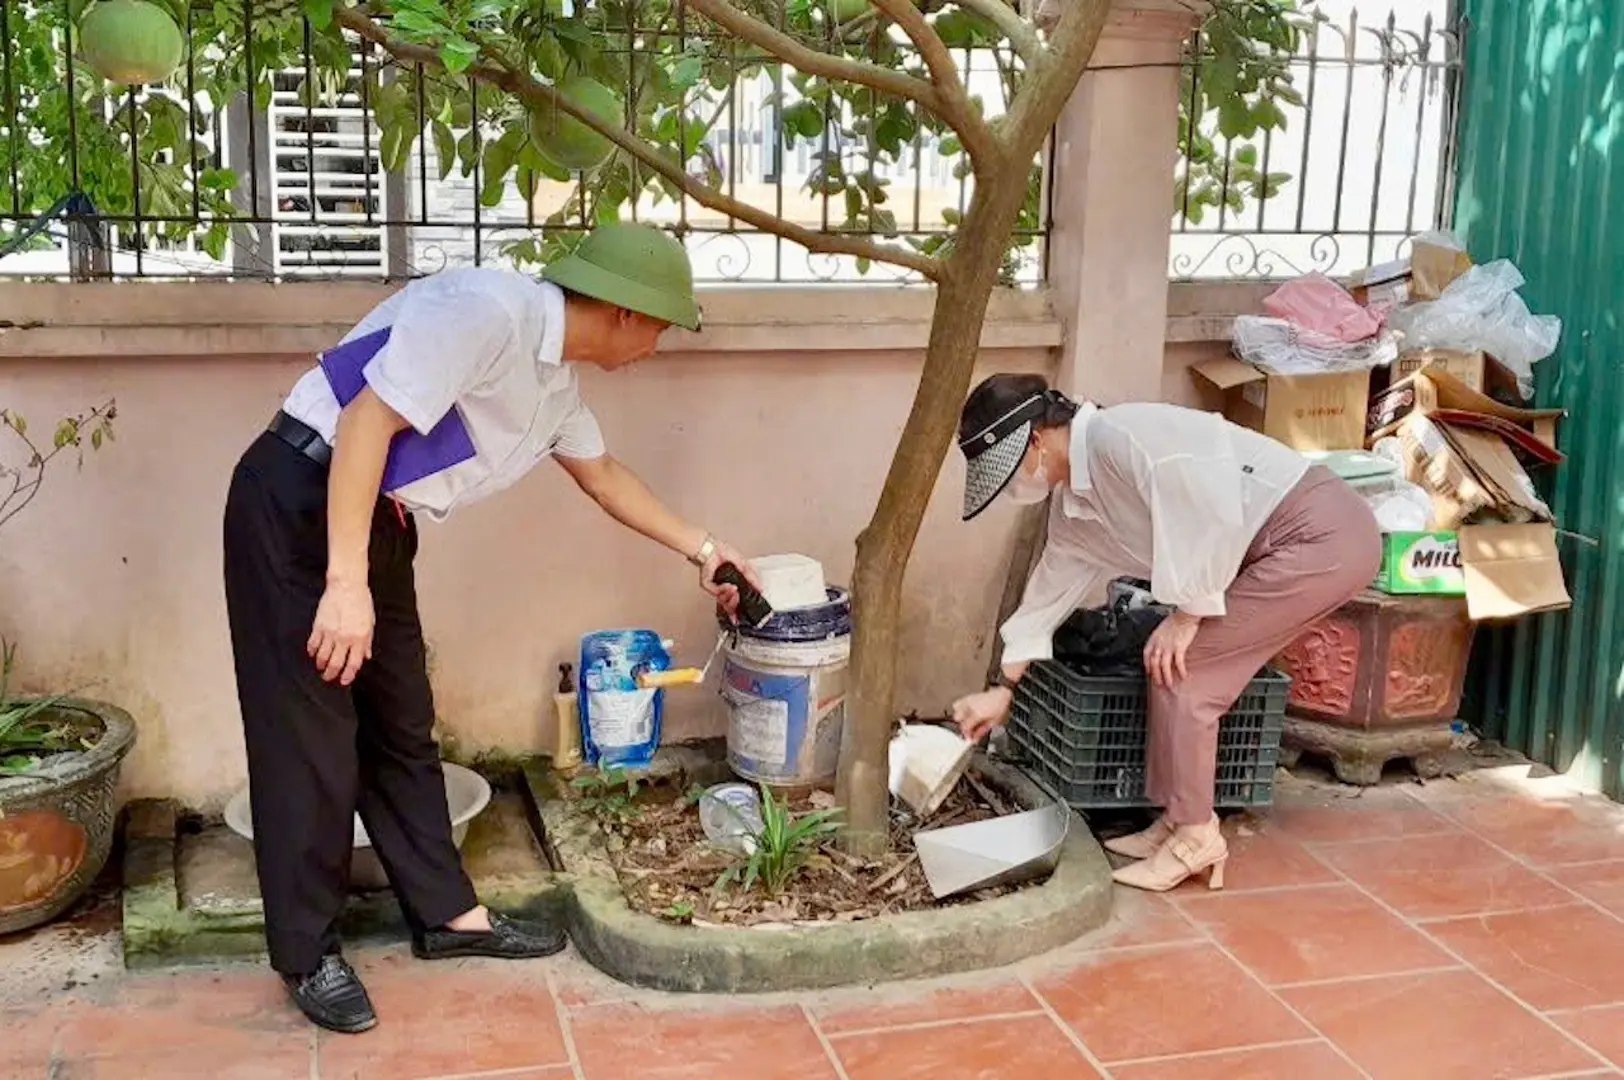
(1434, 268)
(1429, 270)
(1470, 368)
(1511, 571)
(1421, 564)
(1476, 371)
(1383, 286)
(1469, 474)
(1306, 412)
(1434, 391)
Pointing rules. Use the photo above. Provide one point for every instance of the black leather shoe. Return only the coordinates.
(507, 939)
(332, 997)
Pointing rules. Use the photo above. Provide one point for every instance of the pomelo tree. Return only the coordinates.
(617, 97)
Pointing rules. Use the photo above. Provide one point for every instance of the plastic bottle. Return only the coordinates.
(731, 816)
(566, 707)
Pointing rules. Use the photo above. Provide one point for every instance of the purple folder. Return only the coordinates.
(411, 456)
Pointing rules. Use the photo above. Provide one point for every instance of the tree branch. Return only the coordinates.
(523, 86)
(1010, 23)
(1050, 82)
(811, 61)
(956, 109)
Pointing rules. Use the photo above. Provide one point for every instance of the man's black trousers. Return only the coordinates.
(317, 751)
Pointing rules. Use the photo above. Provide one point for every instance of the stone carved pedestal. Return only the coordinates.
(1379, 679)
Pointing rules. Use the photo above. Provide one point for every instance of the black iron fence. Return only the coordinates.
(280, 149)
(1351, 161)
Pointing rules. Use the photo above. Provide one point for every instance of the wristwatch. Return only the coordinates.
(1002, 680)
(703, 555)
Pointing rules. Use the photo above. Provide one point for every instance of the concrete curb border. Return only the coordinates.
(649, 952)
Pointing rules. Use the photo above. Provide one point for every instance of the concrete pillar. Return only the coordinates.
(1112, 201)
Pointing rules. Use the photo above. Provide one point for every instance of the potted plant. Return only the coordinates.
(59, 755)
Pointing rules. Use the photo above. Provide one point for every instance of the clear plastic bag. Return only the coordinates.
(1399, 505)
(1287, 349)
(1482, 311)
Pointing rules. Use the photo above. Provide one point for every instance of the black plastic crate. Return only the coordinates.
(1083, 736)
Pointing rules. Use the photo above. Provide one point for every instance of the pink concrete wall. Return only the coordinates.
(111, 580)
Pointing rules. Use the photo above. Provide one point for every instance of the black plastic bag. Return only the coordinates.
(1110, 640)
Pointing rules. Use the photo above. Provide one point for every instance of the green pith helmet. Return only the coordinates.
(633, 266)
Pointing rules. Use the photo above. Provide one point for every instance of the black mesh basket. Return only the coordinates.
(1083, 737)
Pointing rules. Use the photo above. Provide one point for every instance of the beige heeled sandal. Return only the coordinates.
(1184, 856)
(1142, 844)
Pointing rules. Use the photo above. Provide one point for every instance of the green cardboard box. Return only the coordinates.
(1421, 564)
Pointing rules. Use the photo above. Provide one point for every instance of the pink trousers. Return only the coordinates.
(1318, 549)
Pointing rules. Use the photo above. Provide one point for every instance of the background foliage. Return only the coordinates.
(675, 71)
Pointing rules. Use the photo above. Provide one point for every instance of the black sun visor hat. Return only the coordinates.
(994, 432)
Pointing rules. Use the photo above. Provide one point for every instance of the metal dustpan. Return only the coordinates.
(998, 851)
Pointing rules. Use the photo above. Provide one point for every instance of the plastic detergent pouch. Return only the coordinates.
(620, 722)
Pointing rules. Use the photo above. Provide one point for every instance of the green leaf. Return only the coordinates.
(854, 205)
(394, 149)
(445, 148)
(214, 244)
(416, 25)
(687, 72)
(548, 57)
(458, 55)
(319, 12)
(1235, 120)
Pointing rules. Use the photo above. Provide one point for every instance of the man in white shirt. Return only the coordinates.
(1239, 534)
(449, 391)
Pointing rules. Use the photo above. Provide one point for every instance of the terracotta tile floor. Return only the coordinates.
(1472, 929)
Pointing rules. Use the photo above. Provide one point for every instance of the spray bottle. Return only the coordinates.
(567, 735)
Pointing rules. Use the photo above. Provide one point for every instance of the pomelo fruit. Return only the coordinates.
(131, 41)
(564, 140)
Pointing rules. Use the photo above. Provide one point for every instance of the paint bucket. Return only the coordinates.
(785, 687)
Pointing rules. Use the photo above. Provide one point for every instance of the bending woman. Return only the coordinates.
(1246, 540)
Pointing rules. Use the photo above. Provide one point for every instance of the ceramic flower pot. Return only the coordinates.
(56, 821)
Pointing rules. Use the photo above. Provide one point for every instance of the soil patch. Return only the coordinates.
(669, 870)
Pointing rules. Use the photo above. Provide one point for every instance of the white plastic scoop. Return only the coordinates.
(926, 763)
(999, 851)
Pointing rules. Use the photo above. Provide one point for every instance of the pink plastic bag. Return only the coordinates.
(1315, 302)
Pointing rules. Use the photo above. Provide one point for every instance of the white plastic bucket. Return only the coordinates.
(786, 709)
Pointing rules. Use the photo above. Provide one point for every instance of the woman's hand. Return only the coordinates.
(342, 636)
(978, 714)
(726, 595)
(1164, 652)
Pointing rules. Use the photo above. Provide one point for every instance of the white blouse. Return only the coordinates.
(1157, 492)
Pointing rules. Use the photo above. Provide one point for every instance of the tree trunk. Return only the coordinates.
(885, 545)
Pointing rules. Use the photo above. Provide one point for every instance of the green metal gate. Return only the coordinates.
(1541, 181)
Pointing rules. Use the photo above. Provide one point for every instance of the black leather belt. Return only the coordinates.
(302, 437)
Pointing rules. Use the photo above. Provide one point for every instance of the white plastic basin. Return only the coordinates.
(466, 795)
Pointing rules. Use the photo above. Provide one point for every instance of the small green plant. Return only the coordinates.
(609, 795)
(19, 485)
(680, 912)
(786, 842)
(26, 734)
